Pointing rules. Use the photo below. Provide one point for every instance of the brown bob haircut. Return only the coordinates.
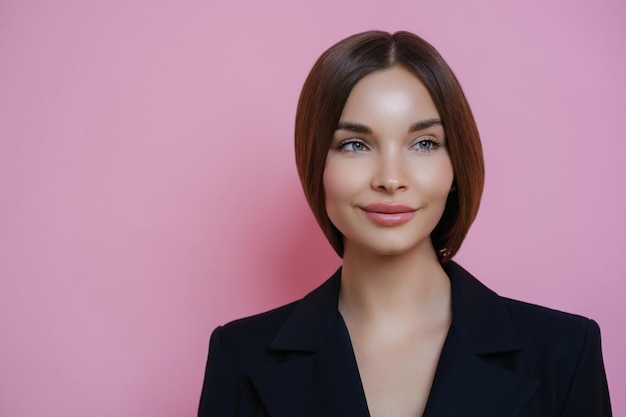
(321, 103)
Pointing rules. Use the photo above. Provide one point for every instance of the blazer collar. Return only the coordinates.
(319, 374)
(312, 318)
(479, 315)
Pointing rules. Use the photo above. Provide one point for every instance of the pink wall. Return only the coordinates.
(148, 191)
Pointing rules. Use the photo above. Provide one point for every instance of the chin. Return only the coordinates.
(395, 248)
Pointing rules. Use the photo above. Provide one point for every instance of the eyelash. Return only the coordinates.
(434, 144)
(347, 142)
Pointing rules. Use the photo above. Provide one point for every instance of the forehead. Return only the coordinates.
(392, 94)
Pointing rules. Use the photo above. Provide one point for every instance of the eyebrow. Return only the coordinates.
(415, 127)
(354, 127)
(425, 124)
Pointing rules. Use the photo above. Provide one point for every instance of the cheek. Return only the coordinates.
(333, 192)
(436, 180)
(333, 187)
(341, 182)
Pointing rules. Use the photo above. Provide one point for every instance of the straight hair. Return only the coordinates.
(323, 98)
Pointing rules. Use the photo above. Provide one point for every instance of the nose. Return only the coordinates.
(391, 175)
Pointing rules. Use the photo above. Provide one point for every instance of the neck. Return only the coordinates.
(409, 287)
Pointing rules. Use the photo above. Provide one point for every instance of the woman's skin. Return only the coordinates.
(387, 177)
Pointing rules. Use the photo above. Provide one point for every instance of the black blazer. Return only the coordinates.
(501, 358)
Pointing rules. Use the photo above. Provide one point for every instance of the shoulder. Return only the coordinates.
(484, 309)
(560, 349)
(234, 349)
(257, 331)
(495, 323)
(564, 352)
(299, 325)
(530, 318)
(544, 330)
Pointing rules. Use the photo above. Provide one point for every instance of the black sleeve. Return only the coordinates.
(588, 394)
(216, 397)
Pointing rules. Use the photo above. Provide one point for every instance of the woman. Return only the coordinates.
(391, 164)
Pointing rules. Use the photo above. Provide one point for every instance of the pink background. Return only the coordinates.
(148, 191)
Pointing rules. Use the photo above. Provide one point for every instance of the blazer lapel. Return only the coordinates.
(468, 385)
(475, 375)
(319, 374)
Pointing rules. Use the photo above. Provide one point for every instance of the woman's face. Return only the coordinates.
(388, 174)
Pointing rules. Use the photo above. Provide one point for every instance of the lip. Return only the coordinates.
(387, 214)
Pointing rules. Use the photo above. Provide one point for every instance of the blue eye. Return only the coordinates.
(357, 146)
(427, 145)
(352, 146)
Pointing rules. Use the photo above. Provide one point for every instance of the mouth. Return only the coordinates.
(386, 214)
